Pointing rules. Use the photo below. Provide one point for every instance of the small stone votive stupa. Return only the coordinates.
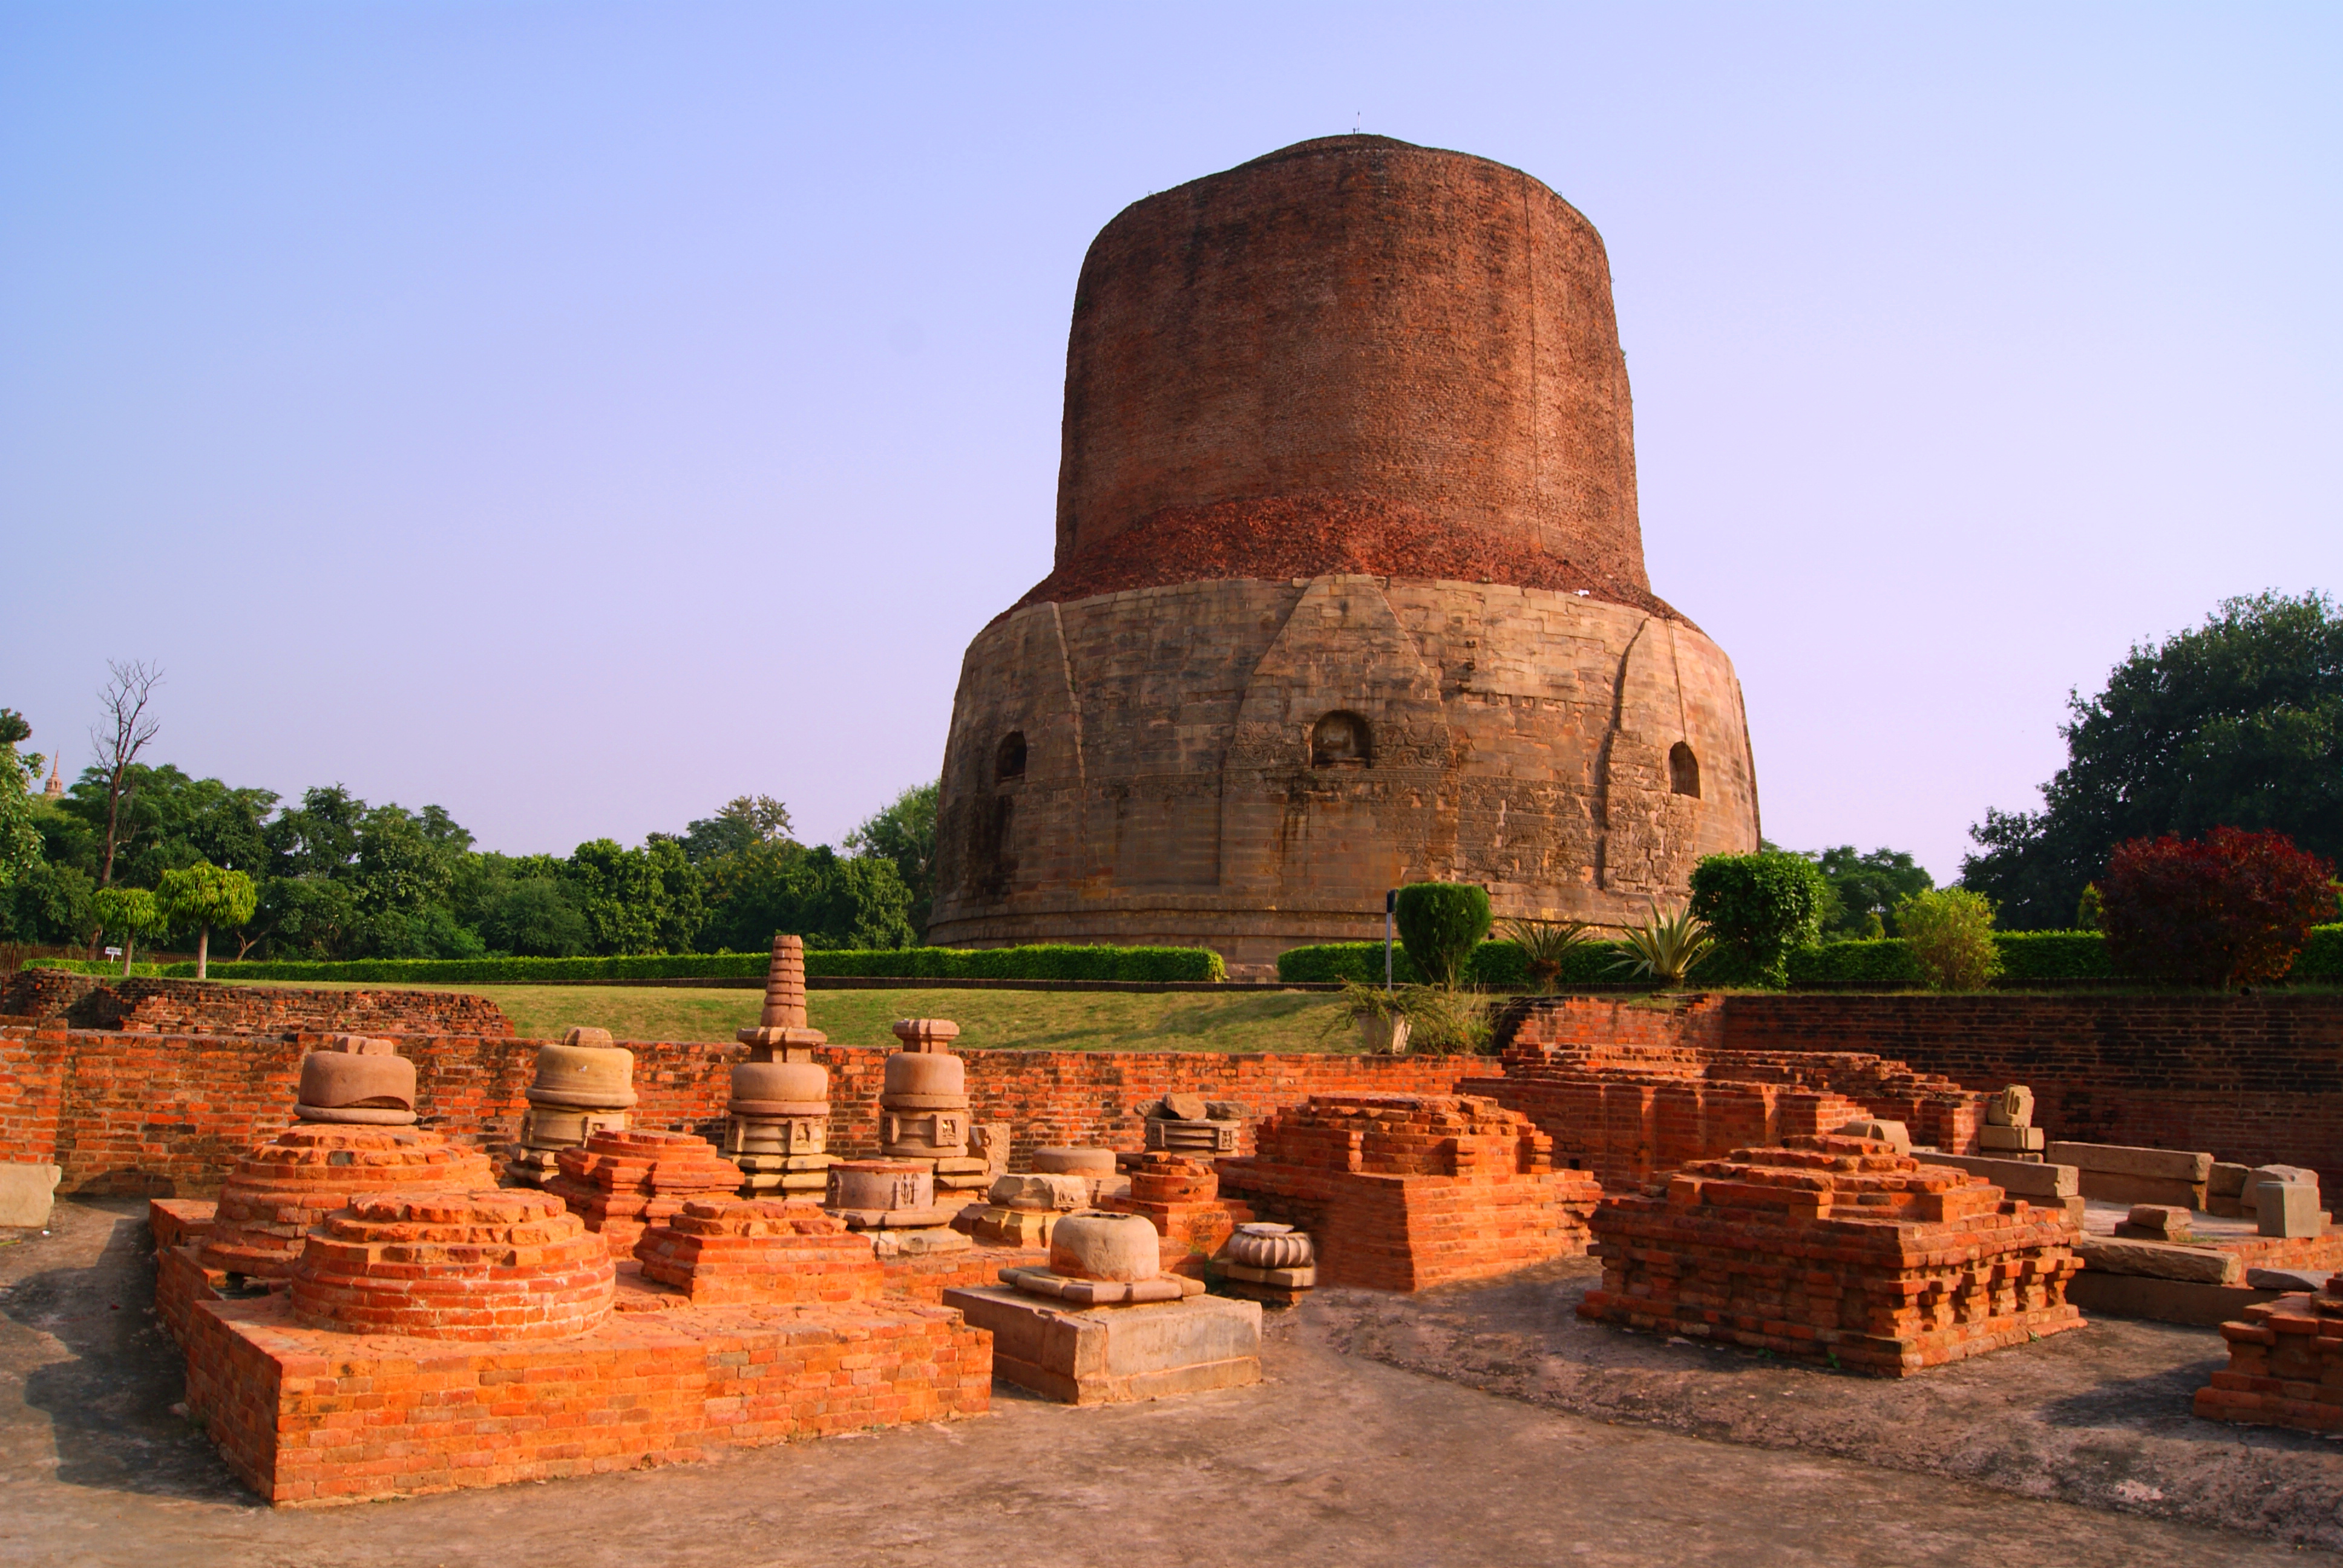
(923, 1112)
(776, 1129)
(583, 1086)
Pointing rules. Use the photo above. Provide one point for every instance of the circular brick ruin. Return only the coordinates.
(491, 1264)
(276, 1192)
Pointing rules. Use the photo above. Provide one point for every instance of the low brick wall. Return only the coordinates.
(2257, 1080)
(143, 1004)
(163, 1115)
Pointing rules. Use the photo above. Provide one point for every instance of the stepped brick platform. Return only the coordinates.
(763, 1250)
(1405, 1191)
(280, 1189)
(487, 1265)
(2286, 1364)
(621, 1182)
(306, 1416)
(1836, 1248)
(1629, 1108)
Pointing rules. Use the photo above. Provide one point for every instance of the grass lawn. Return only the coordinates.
(999, 1020)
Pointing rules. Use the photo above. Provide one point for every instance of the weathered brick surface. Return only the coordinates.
(147, 1005)
(2257, 1080)
(1628, 1092)
(716, 1251)
(164, 1115)
(2286, 1364)
(1404, 1193)
(1347, 430)
(307, 1416)
(490, 1265)
(282, 1188)
(1838, 1249)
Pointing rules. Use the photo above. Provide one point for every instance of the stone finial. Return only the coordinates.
(785, 985)
(782, 1024)
(926, 1033)
(592, 1039)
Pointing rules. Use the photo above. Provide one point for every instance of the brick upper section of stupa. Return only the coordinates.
(1353, 354)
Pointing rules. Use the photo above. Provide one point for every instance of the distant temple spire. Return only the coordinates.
(56, 786)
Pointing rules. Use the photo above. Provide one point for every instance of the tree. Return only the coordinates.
(119, 737)
(2231, 909)
(1949, 931)
(1759, 907)
(645, 900)
(905, 833)
(204, 895)
(129, 913)
(830, 900)
(2236, 723)
(1865, 889)
(742, 822)
(20, 840)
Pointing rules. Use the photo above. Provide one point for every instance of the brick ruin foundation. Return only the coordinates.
(2286, 1364)
(1405, 1191)
(1835, 1249)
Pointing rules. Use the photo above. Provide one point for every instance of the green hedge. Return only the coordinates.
(2025, 957)
(1038, 962)
(1498, 964)
(106, 967)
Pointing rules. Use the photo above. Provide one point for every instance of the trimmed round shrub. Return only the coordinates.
(1440, 924)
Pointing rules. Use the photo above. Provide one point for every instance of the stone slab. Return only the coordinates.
(2162, 1300)
(1108, 1355)
(2159, 1259)
(2290, 1211)
(27, 1193)
(2194, 1169)
(2027, 1140)
(2034, 1180)
(2284, 1280)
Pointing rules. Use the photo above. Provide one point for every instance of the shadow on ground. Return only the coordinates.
(82, 1348)
(1348, 1452)
(2097, 1416)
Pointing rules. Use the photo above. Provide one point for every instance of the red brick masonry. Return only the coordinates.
(1402, 1192)
(2255, 1080)
(312, 1416)
(1838, 1249)
(2286, 1364)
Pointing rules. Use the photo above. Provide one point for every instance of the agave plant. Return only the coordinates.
(1545, 947)
(1665, 947)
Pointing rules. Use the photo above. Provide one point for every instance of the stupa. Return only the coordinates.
(582, 1086)
(355, 1136)
(1349, 587)
(777, 1126)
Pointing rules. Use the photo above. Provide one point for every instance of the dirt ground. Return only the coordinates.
(1376, 1440)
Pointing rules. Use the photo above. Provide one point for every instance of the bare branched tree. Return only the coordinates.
(119, 738)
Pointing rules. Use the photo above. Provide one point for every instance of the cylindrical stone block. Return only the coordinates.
(1100, 1246)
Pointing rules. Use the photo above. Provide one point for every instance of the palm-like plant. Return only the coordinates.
(1665, 947)
(1545, 946)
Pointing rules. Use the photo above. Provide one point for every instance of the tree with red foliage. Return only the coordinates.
(2231, 909)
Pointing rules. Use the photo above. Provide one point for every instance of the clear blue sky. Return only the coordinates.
(578, 415)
